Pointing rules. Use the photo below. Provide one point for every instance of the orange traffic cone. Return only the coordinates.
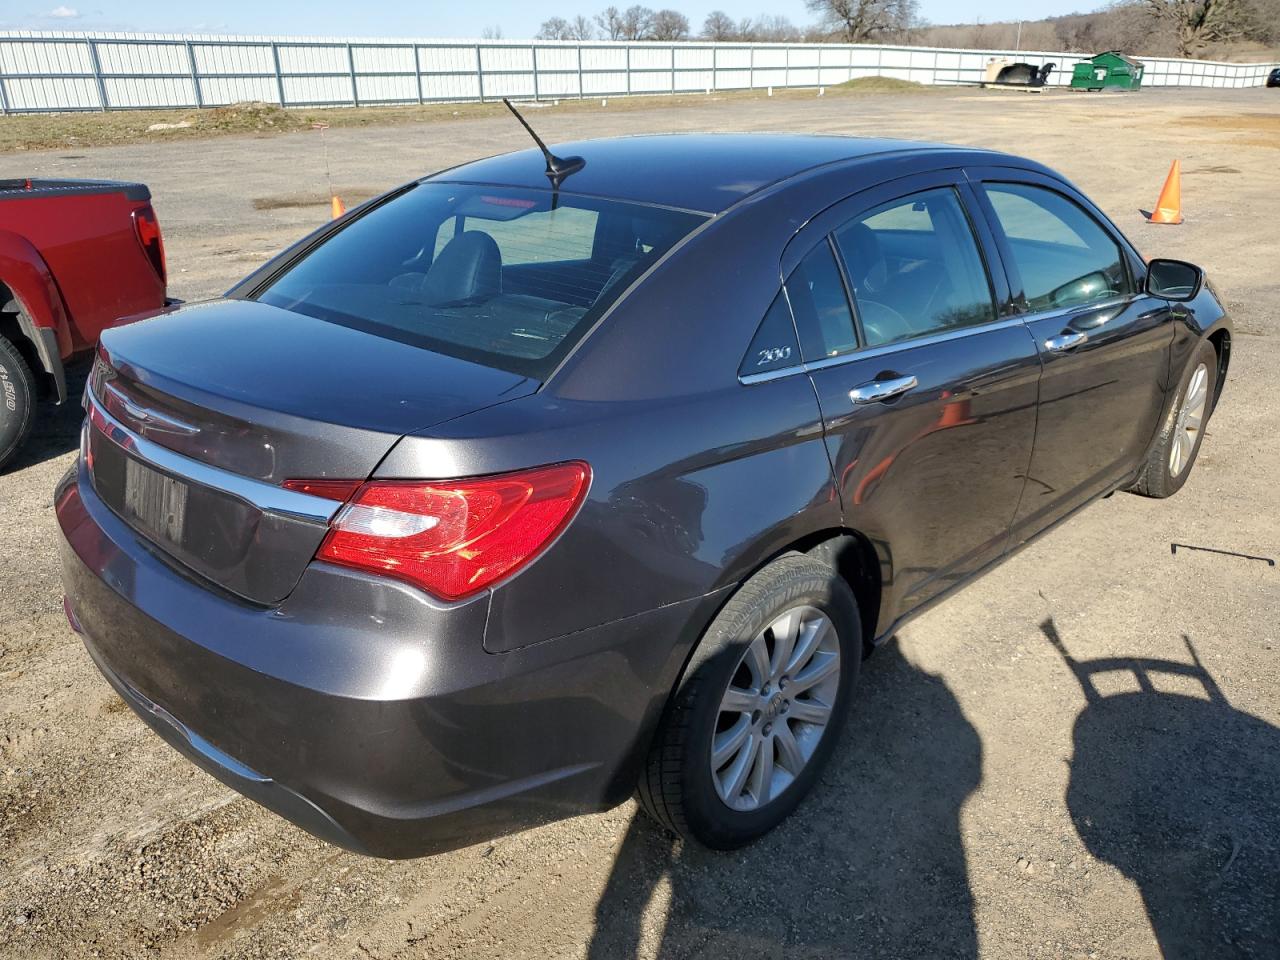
(339, 208)
(1169, 206)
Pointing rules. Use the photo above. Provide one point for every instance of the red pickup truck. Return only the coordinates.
(76, 257)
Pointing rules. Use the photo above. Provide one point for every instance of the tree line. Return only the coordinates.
(1182, 27)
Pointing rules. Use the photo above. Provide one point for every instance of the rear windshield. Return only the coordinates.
(505, 277)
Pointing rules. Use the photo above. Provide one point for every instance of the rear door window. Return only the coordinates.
(1063, 256)
(510, 278)
(915, 269)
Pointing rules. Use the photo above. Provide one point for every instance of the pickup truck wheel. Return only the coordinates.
(759, 709)
(17, 401)
(1174, 453)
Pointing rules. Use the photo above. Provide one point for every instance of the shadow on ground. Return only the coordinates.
(876, 850)
(1169, 783)
(1180, 791)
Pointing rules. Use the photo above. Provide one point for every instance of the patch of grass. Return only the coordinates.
(76, 131)
(884, 85)
(54, 131)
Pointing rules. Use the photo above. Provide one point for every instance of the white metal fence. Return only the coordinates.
(41, 72)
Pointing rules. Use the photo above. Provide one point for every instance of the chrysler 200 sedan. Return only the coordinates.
(523, 489)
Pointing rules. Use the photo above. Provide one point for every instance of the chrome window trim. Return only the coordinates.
(1123, 299)
(865, 353)
(265, 496)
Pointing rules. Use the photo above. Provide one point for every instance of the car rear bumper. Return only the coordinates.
(360, 710)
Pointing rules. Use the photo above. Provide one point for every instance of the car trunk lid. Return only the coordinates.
(199, 415)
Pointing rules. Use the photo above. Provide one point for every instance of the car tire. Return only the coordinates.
(17, 401)
(1174, 453)
(679, 787)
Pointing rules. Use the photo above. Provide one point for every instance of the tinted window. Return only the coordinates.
(489, 274)
(774, 345)
(817, 296)
(1064, 257)
(915, 268)
(565, 233)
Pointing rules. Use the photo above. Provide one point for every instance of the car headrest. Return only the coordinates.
(863, 257)
(469, 267)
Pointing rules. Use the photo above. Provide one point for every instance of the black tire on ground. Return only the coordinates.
(1156, 478)
(676, 788)
(17, 401)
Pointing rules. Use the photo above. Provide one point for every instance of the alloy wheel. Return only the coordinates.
(1190, 420)
(776, 708)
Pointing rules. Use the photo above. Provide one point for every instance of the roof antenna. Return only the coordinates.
(557, 167)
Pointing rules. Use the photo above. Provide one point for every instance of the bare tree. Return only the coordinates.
(557, 28)
(610, 23)
(581, 28)
(1261, 20)
(637, 23)
(857, 21)
(776, 29)
(718, 26)
(669, 25)
(491, 33)
(1197, 23)
(1077, 33)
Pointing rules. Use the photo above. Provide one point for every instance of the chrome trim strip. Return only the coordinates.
(887, 349)
(1122, 300)
(750, 378)
(264, 496)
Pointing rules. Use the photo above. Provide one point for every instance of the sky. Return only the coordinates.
(429, 18)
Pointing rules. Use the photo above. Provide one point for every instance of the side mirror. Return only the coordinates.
(1174, 280)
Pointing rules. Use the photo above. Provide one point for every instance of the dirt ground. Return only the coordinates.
(994, 795)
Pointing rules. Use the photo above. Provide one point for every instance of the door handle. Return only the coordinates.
(878, 391)
(1066, 341)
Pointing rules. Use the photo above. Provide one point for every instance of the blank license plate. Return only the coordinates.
(156, 502)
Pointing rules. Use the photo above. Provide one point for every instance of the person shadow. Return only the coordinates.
(1180, 791)
(870, 865)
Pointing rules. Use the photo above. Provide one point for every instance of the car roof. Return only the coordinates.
(704, 172)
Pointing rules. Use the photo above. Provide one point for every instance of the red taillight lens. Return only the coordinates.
(329, 489)
(454, 538)
(147, 228)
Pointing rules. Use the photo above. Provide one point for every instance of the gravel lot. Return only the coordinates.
(989, 799)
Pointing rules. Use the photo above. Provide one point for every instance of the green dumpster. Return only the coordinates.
(1107, 71)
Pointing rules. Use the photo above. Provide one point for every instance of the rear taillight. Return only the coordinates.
(452, 538)
(147, 227)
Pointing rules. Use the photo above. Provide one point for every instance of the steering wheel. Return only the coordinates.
(1082, 290)
(882, 323)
